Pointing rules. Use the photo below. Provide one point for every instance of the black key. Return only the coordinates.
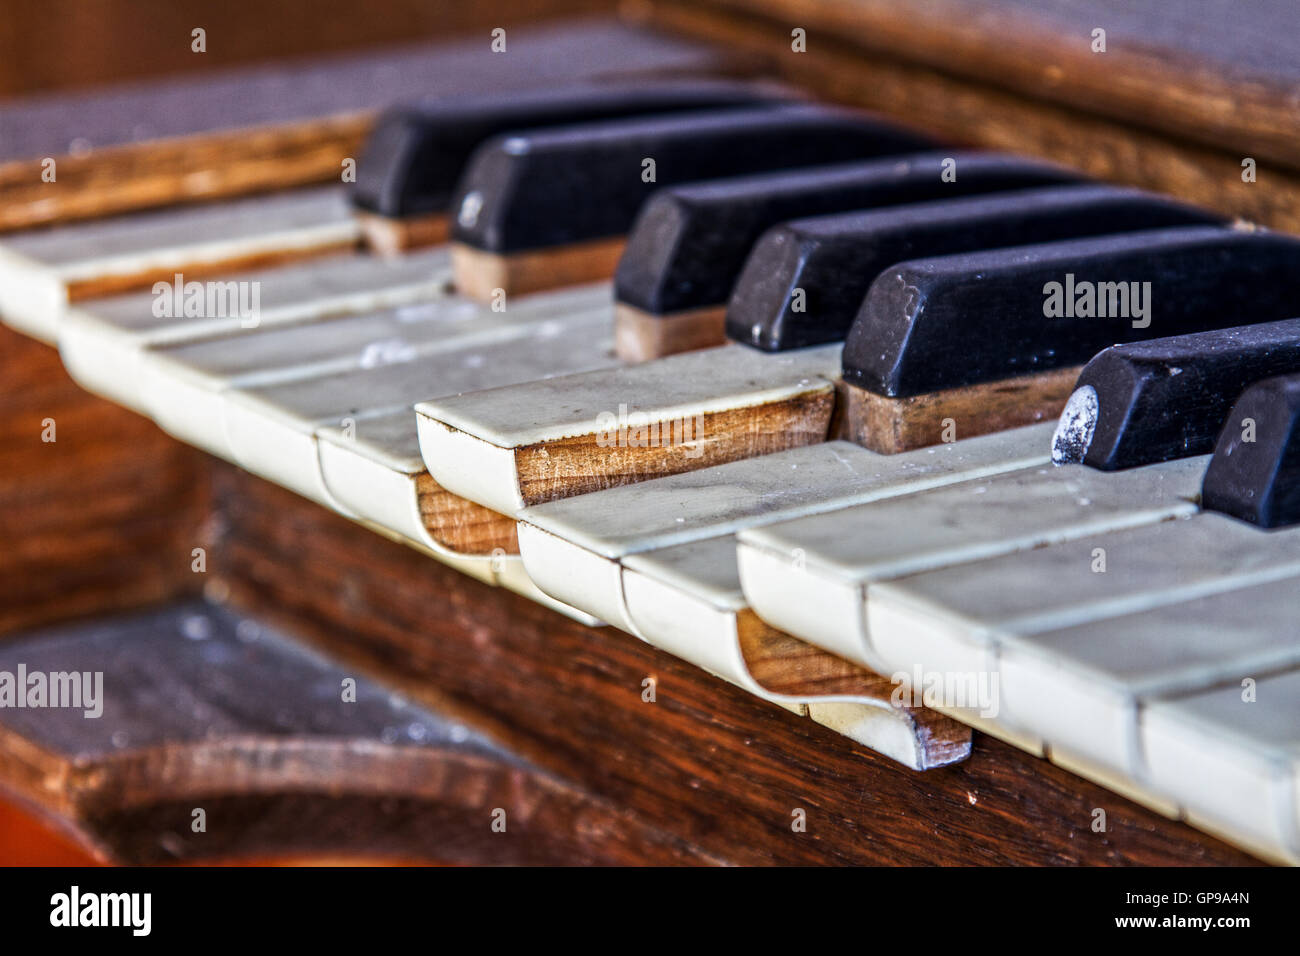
(689, 242)
(805, 280)
(1148, 402)
(415, 154)
(565, 185)
(952, 321)
(1255, 472)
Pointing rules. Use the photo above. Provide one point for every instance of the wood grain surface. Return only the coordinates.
(854, 59)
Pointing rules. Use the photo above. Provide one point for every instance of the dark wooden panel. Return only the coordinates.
(1214, 71)
(104, 517)
(707, 762)
(197, 708)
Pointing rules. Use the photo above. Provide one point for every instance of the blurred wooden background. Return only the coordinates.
(70, 44)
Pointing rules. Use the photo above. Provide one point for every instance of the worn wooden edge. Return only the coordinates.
(463, 526)
(891, 425)
(483, 276)
(115, 283)
(783, 664)
(391, 236)
(579, 464)
(640, 336)
(1133, 84)
(269, 795)
(968, 111)
(223, 165)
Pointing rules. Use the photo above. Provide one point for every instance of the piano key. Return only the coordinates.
(583, 539)
(1145, 402)
(373, 469)
(954, 618)
(1233, 759)
(271, 429)
(535, 209)
(42, 272)
(416, 153)
(915, 357)
(1254, 474)
(810, 576)
(103, 341)
(1083, 687)
(833, 259)
(507, 448)
(181, 385)
(689, 598)
(689, 243)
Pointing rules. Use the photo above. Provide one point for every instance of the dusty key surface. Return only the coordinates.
(104, 342)
(42, 272)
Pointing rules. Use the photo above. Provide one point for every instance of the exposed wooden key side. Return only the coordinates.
(689, 243)
(536, 209)
(978, 342)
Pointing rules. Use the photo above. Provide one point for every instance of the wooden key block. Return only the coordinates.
(507, 448)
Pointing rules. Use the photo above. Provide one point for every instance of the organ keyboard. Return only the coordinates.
(781, 403)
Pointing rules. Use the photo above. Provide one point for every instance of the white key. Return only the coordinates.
(103, 342)
(586, 531)
(374, 472)
(953, 619)
(809, 576)
(271, 430)
(183, 384)
(1079, 687)
(470, 441)
(41, 270)
(686, 600)
(1235, 765)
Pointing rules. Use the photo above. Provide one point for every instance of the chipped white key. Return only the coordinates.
(41, 272)
(811, 576)
(102, 341)
(687, 598)
(271, 430)
(374, 470)
(585, 534)
(511, 447)
(1232, 757)
(183, 384)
